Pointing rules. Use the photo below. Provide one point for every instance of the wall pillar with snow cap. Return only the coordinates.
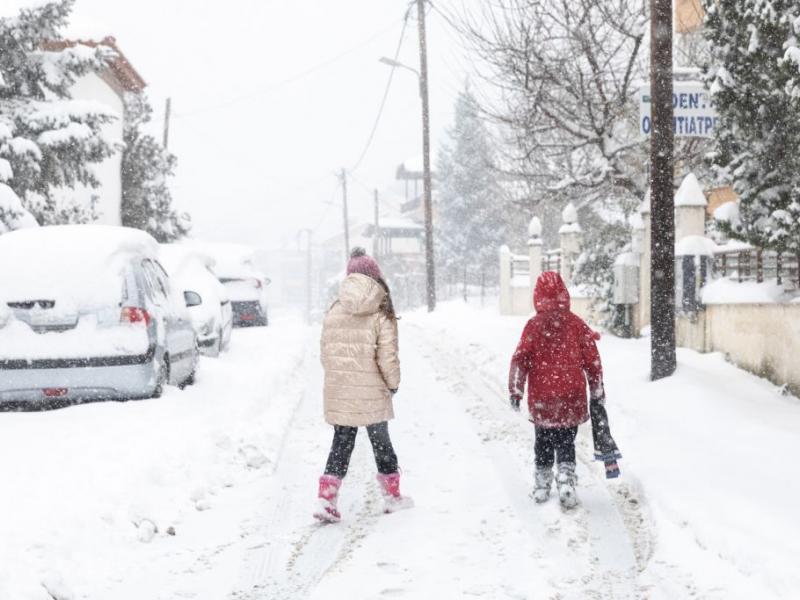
(571, 238)
(505, 281)
(535, 250)
(690, 208)
(694, 258)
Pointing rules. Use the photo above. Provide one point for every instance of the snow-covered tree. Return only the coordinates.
(472, 212)
(754, 76)
(567, 77)
(47, 140)
(146, 166)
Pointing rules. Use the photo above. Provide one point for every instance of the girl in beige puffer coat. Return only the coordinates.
(359, 351)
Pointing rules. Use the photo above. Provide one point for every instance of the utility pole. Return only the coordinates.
(344, 209)
(426, 158)
(662, 265)
(376, 240)
(167, 111)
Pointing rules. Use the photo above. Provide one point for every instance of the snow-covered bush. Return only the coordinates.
(12, 214)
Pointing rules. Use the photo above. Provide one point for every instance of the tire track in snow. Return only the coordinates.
(291, 553)
(611, 538)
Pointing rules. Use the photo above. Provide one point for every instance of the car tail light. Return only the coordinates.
(55, 392)
(132, 314)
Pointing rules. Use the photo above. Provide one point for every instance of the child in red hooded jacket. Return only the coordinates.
(556, 355)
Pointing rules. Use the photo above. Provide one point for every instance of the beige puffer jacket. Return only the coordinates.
(359, 351)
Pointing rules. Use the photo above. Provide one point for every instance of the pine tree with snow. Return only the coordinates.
(146, 166)
(471, 212)
(47, 140)
(754, 76)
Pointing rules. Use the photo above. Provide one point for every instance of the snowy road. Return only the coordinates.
(474, 532)
(93, 494)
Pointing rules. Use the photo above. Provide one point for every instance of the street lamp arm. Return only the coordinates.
(398, 65)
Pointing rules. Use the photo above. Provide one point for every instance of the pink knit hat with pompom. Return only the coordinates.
(360, 262)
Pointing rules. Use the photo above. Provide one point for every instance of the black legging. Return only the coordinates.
(554, 442)
(344, 440)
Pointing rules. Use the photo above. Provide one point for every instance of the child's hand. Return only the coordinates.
(515, 401)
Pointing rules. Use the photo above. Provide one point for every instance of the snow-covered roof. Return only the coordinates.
(690, 193)
(398, 223)
(125, 76)
(695, 245)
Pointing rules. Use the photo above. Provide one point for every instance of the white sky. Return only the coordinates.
(257, 154)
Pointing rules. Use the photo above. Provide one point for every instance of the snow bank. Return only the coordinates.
(726, 291)
(137, 499)
(709, 509)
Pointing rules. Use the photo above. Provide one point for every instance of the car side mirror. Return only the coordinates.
(192, 299)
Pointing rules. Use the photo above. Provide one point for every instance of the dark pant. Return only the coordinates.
(344, 440)
(552, 443)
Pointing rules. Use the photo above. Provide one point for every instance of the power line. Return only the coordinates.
(385, 94)
(288, 80)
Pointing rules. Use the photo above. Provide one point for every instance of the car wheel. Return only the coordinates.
(190, 380)
(163, 378)
(217, 349)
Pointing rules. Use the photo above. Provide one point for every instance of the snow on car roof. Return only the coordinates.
(232, 261)
(175, 257)
(75, 263)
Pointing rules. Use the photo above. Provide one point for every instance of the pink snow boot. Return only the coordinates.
(328, 494)
(390, 488)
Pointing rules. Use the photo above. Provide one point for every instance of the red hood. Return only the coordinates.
(550, 293)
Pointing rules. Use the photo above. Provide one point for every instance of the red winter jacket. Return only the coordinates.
(557, 354)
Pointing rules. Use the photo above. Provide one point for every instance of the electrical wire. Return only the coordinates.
(385, 95)
(289, 80)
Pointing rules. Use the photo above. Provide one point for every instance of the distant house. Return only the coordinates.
(109, 87)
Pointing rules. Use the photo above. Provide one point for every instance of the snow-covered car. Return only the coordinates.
(192, 272)
(247, 300)
(235, 265)
(88, 313)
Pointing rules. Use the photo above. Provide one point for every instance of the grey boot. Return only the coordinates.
(566, 480)
(542, 482)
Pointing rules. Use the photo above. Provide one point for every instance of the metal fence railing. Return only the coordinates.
(753, 264)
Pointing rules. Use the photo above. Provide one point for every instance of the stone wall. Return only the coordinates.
(761, 338)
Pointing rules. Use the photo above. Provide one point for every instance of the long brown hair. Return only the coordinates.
(387, 306)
